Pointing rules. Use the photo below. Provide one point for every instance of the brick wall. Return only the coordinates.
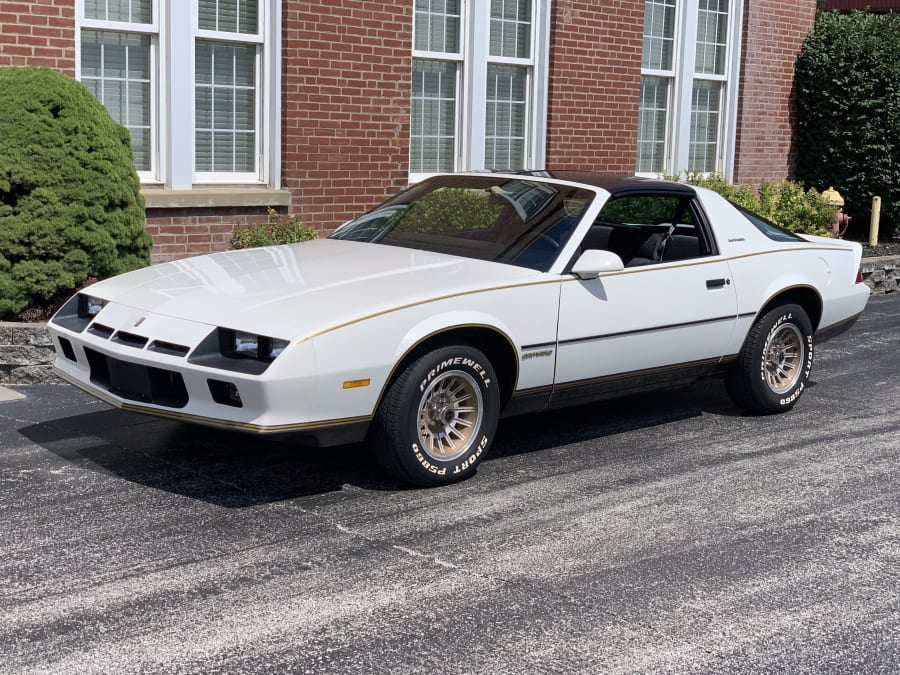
(346, 105)
(178, 233)
(595, 70)
(38, 33)
(773, 33)
(346, 91)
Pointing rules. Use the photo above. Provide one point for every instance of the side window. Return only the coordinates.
(648, 229)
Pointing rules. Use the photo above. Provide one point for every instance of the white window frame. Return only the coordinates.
(174, 30)
(681, 83)
(471, 84)
(151, 29)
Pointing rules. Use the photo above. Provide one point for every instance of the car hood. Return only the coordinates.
(300, 289)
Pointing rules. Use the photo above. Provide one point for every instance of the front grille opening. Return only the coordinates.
(67, 350)
(137, 382)
(225, 393)
(168, 348)
(130, 339)
(99, 368)
(100, 330)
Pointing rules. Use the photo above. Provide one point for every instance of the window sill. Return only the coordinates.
(162, 198)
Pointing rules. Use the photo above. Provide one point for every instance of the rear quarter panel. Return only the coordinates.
(763, 268)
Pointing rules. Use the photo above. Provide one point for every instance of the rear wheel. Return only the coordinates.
(773, 367)
(438, 418)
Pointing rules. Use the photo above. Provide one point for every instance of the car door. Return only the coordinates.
(669, 315)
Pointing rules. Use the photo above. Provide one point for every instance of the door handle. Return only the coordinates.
(717, 283)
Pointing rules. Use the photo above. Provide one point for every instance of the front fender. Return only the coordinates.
(371, 349)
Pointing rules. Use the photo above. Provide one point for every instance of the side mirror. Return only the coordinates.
(594, 262)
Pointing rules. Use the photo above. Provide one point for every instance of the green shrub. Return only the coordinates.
(451, 209)
(70, 202)
(277, 230)
(848, 113)
(786, 203)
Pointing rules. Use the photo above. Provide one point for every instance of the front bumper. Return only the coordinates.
(141, 362)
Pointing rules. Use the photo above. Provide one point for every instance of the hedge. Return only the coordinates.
(787, 204)
(848, 113)
(70, 202)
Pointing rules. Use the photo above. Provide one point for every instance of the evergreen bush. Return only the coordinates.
(70, 202)
(848, 113)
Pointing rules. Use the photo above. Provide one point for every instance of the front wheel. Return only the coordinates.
(438, 417)
(773, 367)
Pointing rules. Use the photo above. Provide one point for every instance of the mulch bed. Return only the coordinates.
(887, 248)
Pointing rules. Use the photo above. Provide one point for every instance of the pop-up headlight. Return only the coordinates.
(238, 351)
(89, 306)
(250, 345)
(78, 312)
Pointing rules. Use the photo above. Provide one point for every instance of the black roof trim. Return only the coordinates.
(616, 184)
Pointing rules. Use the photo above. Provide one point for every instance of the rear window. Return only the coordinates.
(767, 227)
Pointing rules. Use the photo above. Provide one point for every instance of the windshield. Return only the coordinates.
(515, 221)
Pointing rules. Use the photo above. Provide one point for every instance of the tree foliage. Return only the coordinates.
(70, 202)
(848, 112)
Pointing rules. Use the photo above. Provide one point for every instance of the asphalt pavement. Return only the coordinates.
(665, 532)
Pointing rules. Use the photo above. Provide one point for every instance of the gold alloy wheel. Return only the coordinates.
(783, 357)
(450, 414)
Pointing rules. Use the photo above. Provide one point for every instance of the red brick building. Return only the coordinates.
(322, 108)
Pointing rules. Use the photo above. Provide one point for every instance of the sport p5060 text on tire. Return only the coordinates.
(438, 418)
(773, 368)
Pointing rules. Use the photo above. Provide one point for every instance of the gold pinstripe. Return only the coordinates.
(258, 428)
(562, 280)
(211, 421)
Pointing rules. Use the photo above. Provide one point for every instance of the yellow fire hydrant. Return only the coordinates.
(841, 219)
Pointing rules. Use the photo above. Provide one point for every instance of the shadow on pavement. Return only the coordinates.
(237, 470)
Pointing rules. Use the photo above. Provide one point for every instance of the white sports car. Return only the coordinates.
(461, 300)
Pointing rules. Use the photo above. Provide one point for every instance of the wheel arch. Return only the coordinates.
(495, 344)
(806, 297)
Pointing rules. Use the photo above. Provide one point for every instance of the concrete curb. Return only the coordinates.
(26, 352)
(9, 395)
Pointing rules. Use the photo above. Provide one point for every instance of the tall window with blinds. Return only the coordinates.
(687, 98)
(658, 74)
(508, 72)
(708, 86)
(193, 82)
(434, 122)
(477, 83)
(117, 56)
(225, 79)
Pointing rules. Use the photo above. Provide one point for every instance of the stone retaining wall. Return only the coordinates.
(882, 274)
(26, 351)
